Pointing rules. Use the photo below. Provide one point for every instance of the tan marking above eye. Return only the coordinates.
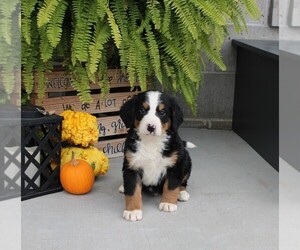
(146, 105)
(161, 106)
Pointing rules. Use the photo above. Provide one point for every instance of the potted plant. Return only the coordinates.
(167, 39)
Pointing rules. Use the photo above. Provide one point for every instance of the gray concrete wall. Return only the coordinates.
(215, 102)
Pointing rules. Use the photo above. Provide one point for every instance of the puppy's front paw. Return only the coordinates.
(183, 196)
(167, 207)
(134, 215)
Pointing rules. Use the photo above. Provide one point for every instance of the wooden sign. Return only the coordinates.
(112, 148)
(111, 103)
(60, 81)
(111, 125)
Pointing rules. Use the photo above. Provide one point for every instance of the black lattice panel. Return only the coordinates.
(10, 159)
(41, 148)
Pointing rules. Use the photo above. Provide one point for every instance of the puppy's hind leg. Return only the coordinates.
(121, 189)
(183, 194)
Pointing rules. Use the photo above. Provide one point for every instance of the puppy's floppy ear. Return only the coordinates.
(177, 115)
(127, 112)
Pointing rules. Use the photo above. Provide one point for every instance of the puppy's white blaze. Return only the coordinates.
(151, 118)
(190, 145)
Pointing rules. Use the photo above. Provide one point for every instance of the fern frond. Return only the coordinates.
(80, 82)
(173, 50)
(54, 27)
(114, 27)
(252, 8)
(27, 7)
(102, 6)
(181, 9)
(28, 62)
(7, 8)
(154, 53)
(166, 21)
(46, 12)
(119, 9)
(41, 79)
(236, 15)
(155, 9)
(46, 49)
(26, 29)
(213, 54)
(100, 38)
(5, 28)
(210, 9)
(102, 75)
(83, 29)
(8, 78)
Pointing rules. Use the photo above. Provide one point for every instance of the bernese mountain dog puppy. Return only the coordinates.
(155, 158)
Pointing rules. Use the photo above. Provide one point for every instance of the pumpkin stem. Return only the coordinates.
(73, 160)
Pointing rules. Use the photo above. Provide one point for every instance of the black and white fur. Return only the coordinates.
(154, 153)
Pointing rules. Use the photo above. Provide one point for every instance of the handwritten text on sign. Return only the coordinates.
(98, 106)
(112, 148)
(111, 125)
(112, 103)
(58, 81)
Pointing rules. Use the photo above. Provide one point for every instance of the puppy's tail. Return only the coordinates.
(188, 144)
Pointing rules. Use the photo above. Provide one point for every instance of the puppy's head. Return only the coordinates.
(152, 113)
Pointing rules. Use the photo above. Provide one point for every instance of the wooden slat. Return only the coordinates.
(111, 125)
(60, 81)
(112, 148)
(111, 103)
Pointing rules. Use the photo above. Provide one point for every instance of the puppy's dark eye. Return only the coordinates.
(142, 111)
(162, 113)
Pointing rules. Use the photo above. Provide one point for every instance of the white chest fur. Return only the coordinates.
(149, 158)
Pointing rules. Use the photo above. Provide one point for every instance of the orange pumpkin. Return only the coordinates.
(77, 176)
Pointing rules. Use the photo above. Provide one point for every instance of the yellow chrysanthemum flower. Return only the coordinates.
(79, 128)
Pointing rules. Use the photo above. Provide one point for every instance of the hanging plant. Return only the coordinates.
(10, 49)
(162, 38)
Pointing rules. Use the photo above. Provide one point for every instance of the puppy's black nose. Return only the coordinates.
(151, 128)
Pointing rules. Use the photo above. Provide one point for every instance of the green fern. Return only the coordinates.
(46, 50)
(252, 8)
(46, 12)
(154, 53)
(155, 9)
(168, 39)
(100, 38)
(102, 75)
(54, 28)
(181, 9)
(27, 8)
(82, 34)
(80, 82)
